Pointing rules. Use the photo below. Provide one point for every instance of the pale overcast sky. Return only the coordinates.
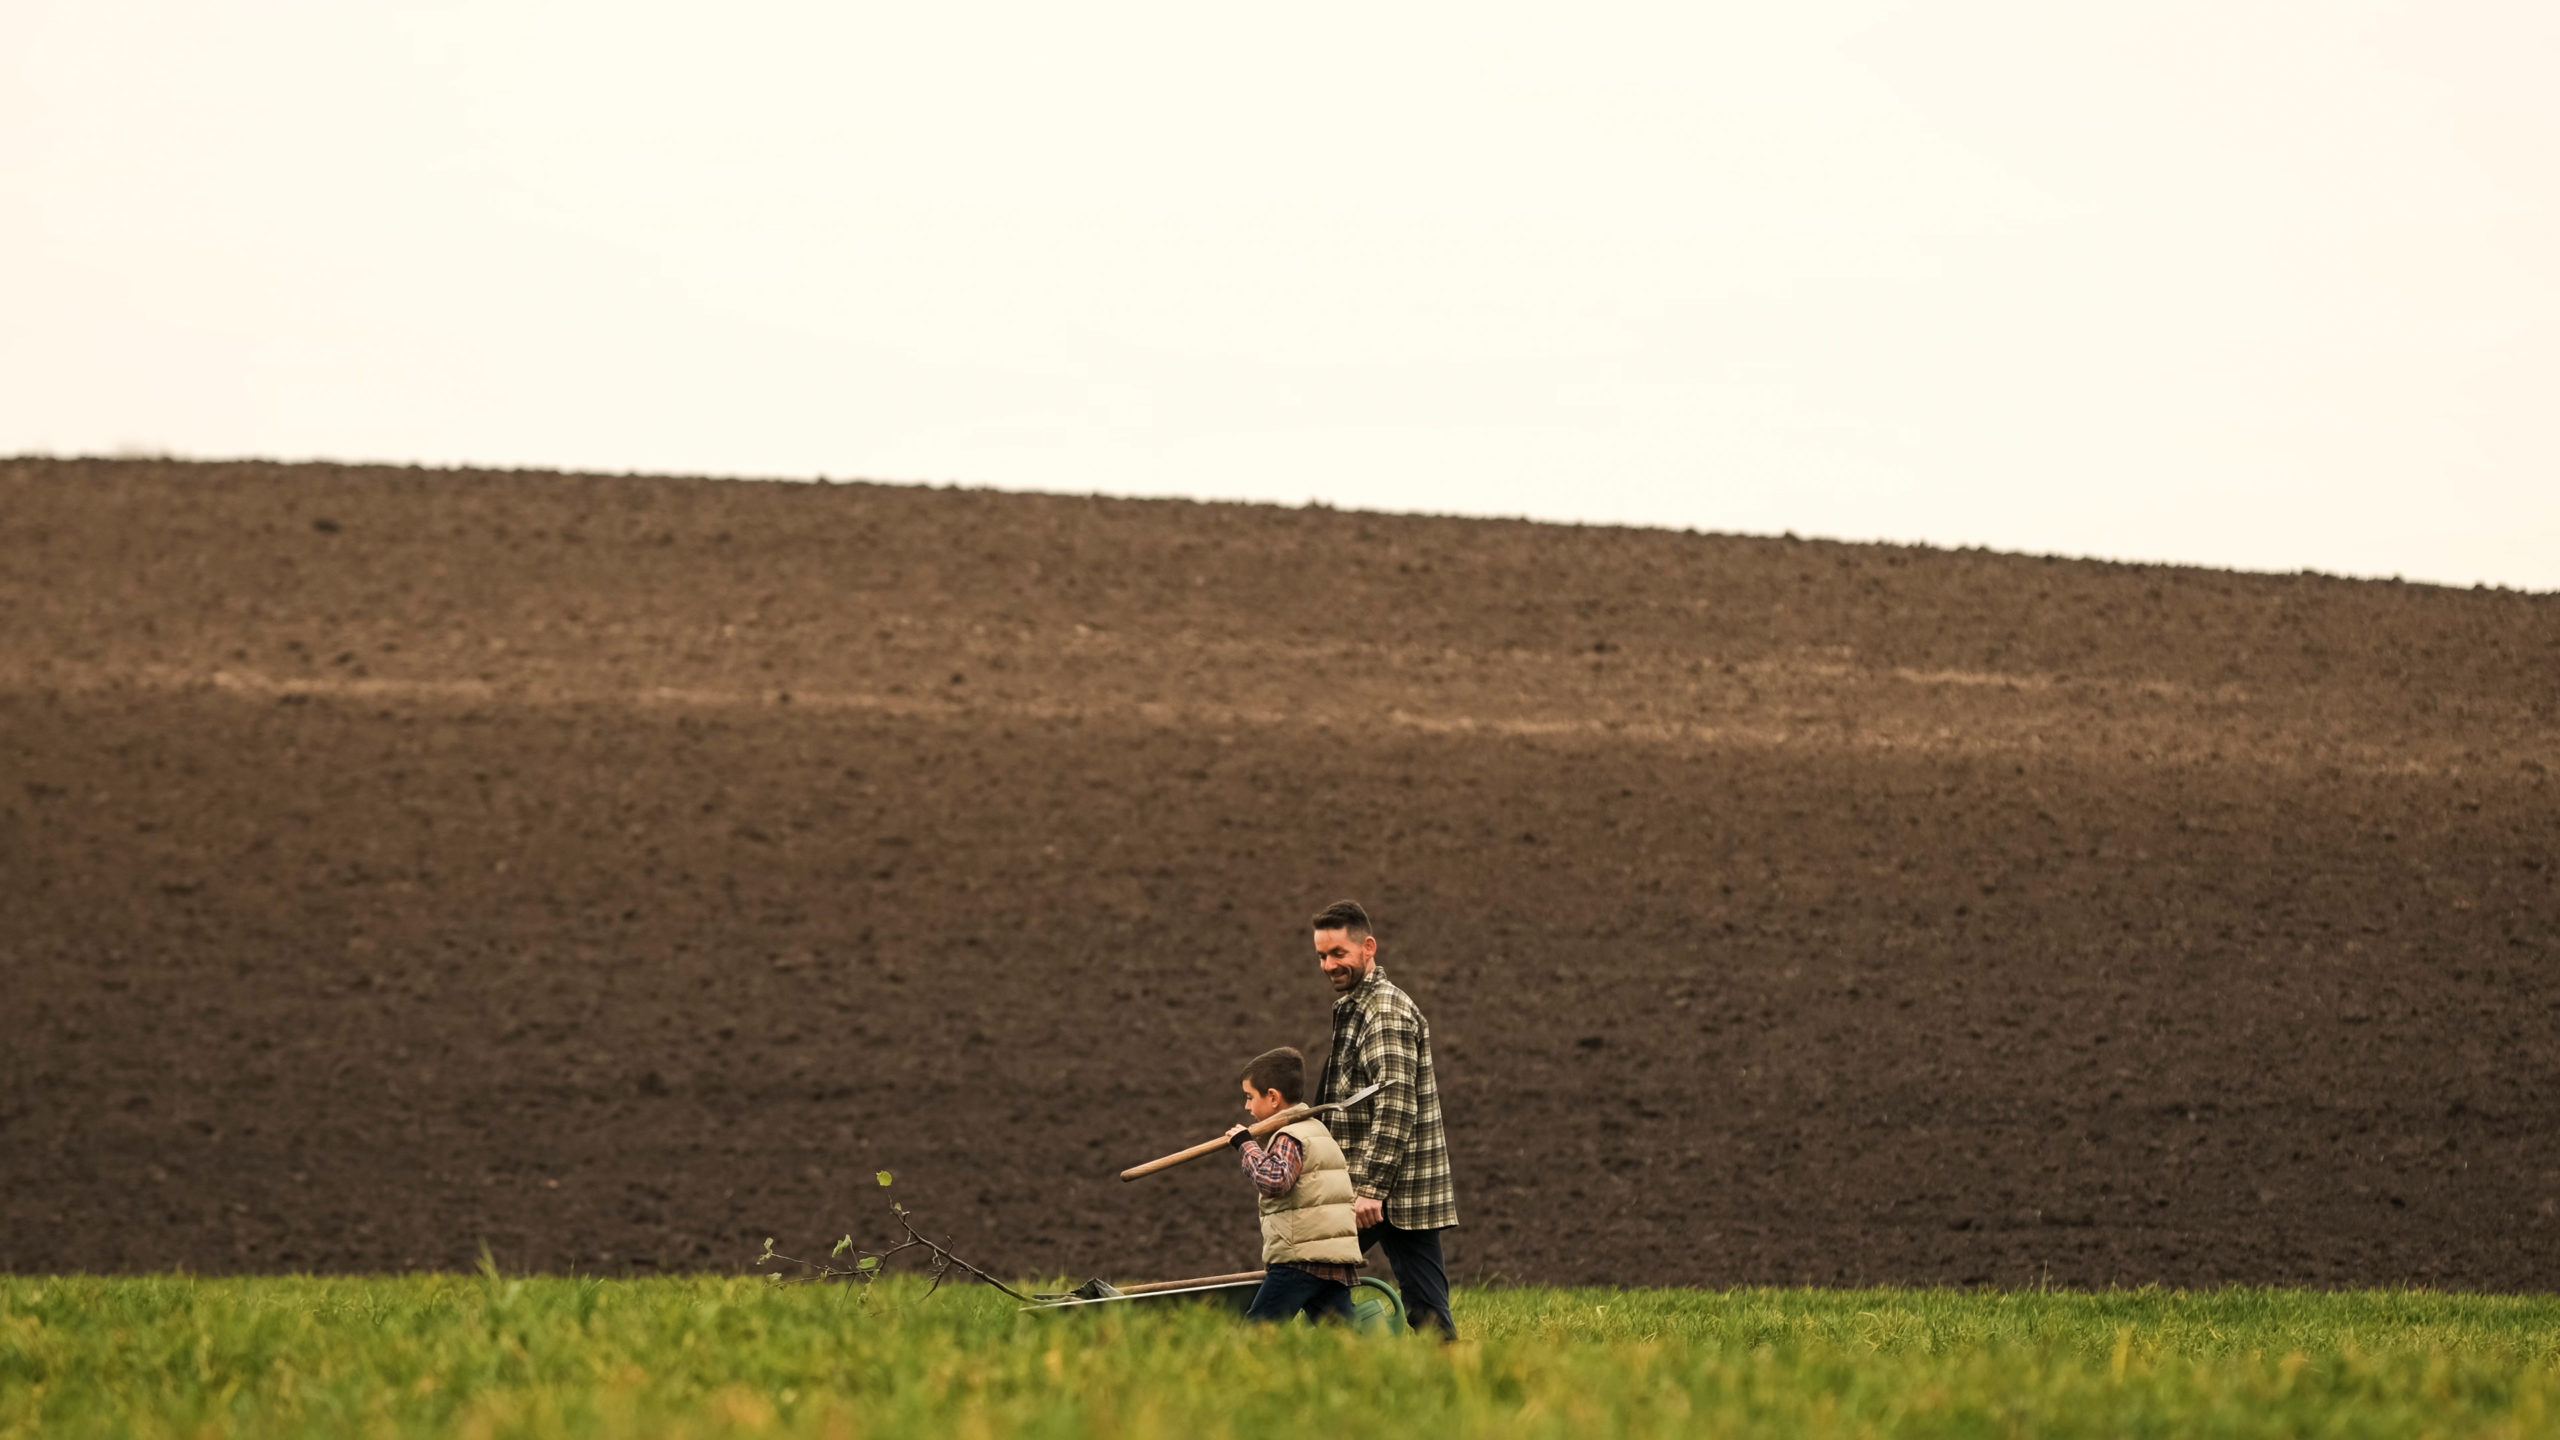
(2261, 284)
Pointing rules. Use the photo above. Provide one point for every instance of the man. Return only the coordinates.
(1397, 1144)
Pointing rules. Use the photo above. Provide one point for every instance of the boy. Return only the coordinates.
(1310, 1237)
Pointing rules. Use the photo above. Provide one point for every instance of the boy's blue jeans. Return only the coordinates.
(1288, 1292)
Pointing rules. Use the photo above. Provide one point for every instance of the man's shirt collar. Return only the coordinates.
(1368, 985)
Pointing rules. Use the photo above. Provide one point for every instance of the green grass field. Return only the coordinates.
(493, 1356)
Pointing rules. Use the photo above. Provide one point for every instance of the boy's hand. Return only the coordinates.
(1236, 1135)
(1366, 1210)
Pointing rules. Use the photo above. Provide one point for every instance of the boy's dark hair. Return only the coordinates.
(1345, 916)
(1284, 1070)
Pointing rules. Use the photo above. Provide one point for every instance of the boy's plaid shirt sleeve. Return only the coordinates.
(1274, 1170)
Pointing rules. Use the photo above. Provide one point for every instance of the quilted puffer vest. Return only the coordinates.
(1313, 1222)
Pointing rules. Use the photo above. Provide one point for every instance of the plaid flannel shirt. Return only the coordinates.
(1396, 1142)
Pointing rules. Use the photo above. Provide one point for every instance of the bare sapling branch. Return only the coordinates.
(845, 1262)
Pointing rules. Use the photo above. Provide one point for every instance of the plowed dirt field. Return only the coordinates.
(619, 870)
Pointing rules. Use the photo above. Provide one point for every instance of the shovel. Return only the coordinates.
(1257, 1130)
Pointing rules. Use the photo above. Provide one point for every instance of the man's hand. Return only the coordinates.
(1236, 1135)
(1366, 1210)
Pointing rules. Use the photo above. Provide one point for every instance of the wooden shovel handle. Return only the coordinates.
(1257, 1129)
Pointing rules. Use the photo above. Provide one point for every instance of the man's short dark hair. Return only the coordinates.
(1346, 916)
(1284, 1070)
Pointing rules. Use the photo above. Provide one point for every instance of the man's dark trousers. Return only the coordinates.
(1287, 1291)
(1415, 1255)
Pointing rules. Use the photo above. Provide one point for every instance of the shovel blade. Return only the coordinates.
(1354, 1098)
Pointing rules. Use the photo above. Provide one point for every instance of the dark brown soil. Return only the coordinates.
(620, 870)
